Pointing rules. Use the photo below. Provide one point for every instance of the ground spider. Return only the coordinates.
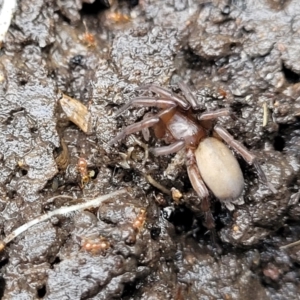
(210, 163)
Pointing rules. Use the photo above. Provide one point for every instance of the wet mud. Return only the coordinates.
(146, 245)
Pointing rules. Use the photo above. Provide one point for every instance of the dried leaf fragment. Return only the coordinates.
(76, 112)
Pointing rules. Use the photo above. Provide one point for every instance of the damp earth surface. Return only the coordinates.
(238, 54)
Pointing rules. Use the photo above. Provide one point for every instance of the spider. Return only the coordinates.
(210, 164)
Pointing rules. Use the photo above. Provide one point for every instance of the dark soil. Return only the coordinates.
(239, 54)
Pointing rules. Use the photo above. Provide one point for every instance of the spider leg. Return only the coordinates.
(199, 187)
(167, 95)
(250, 158)
(175, 147)
(145, 131)
(188, 95)
(146, 101)
(209, 115)
(146, 123)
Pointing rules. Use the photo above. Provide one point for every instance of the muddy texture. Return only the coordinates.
(238, 54)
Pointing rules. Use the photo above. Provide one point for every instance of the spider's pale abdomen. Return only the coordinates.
(219, 169)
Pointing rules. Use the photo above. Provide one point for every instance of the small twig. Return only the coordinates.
(143, 145)
(156, 184)
(266, 114)
(290, 245)
(59, 196)
(60, 211)
(6, 14)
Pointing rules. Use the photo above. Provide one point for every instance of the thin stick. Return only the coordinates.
(60, 211)
(266, 114)
(156, 184)
(290, 245)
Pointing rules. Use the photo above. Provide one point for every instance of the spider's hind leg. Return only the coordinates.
(200, 188)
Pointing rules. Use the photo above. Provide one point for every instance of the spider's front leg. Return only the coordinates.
(189, 95)
(166, 94)
(146, 123)
(199, 187)
(250, 158)
(145, 102)
(211, 115)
